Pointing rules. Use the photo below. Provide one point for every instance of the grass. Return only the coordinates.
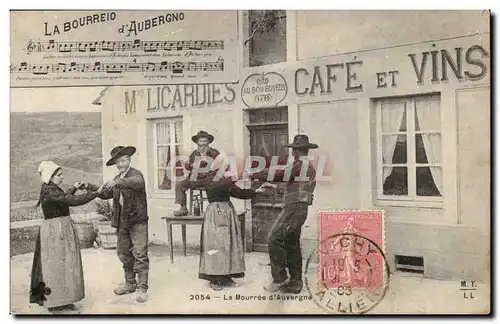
(33, 212)
(22, 240)
(72, 140)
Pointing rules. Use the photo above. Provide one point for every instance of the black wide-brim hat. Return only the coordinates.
(203, 134)
(120, 151)
(301, 141)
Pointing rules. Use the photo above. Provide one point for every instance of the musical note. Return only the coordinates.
(61, 67)
(108, 46)
(82, 47)
(149, 67)
(93, 46)
(114, 68)
(178, 67)
(41, 69)
(167, 46)
(196, 46)
(181, 46)
(151, 47)
(73, 66)
(193, 66)
(23, 67)
(164, 66)
(135, 45)
(97, 67)
(84, 67)
(65, 48)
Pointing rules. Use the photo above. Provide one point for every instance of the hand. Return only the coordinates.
(259, 175)
(77, 184)
(101, 188)
(110, 184)
(263, 191)
(260, 190)
(83, 185)
(269, 185)
(264, 188)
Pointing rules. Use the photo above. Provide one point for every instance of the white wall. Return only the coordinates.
(473, 107)
(322, 33)
(218, 123)
(333, 127)
(120, 129)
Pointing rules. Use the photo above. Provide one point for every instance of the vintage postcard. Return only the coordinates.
(250, 162)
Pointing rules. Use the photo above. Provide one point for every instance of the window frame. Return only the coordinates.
(172, 145)
(251, 39)
(412, 199)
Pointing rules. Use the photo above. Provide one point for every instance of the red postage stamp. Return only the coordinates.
(352, 249)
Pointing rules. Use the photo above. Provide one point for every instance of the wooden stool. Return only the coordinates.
(193, 220)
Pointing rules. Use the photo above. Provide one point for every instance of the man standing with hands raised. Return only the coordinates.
(284, 236)
(130, 218)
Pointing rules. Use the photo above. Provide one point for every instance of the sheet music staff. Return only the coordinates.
(174, 67)
(116, 46)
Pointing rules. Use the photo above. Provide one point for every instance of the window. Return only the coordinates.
(267, 37)
(168, 146)
(409, 149)
(268, 134)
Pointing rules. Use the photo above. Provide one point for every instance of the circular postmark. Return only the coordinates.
(347, 274)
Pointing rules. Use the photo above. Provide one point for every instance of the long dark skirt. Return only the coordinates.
(57, 272)
(221, 246)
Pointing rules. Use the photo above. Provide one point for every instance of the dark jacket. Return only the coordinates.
(224, 189)
(55, 202)
(211, 152)
(135, 205)
(296, 189)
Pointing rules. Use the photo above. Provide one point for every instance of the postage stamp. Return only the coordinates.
(204, 147)
(352, 274)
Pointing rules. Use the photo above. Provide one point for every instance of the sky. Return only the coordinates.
(77, 99)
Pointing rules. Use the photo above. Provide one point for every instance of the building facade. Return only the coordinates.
(398, 102)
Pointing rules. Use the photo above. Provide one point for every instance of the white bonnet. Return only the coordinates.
(46, 170)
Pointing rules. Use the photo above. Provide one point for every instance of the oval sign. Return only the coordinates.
(264, 90)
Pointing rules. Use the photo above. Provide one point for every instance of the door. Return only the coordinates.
(267, 140)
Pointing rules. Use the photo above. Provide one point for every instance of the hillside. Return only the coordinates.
(72, 140)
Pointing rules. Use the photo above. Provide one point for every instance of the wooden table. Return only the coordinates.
(193, 220)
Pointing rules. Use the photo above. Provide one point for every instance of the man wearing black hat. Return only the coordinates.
(284, 236)
(130, 217)
(203, 140)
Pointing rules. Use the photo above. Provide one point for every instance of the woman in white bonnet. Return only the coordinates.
(57, 273)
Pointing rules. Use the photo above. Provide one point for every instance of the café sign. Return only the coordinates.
(416, 68)
(264, 90)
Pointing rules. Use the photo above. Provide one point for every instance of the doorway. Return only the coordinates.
(268, 134)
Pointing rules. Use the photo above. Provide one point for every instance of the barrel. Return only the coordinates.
(107, 235)
(86, 234)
